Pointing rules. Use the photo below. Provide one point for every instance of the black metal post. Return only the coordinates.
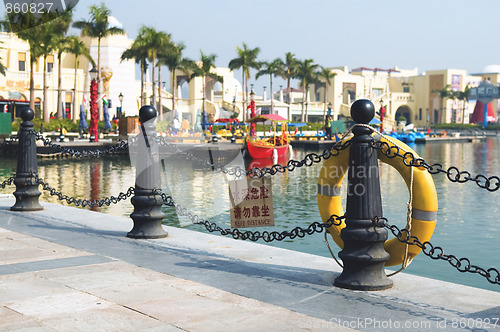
(27, 192)
(61, 134)
(363, 254)
(147, 213)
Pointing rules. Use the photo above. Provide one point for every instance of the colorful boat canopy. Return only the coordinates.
(268, 117)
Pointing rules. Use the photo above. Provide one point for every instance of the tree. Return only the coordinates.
(327, 75)
(443, 94)
(306, 72)
(138, 51)
(77, 47)
(2, 66)
(153, 41)
(27, 27)
(166, 47)
(98, 27)
(288, 71)
(174, 60)
(272, 68)
(60, 41)
(464, 97)
(204, 68)
(246, 59)
(51, 34)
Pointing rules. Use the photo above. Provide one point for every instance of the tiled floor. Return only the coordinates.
(50, 287)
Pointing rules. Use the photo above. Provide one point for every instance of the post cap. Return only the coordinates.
(146, 113)
(27, 114)
(362, 111)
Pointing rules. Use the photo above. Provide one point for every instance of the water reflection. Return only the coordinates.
(467, 216)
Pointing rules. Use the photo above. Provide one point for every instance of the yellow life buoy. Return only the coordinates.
(424, 202)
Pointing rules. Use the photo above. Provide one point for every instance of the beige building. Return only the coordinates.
(15, 85)
(405, 94)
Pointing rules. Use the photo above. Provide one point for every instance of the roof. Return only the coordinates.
(376, 69)
(268, 117)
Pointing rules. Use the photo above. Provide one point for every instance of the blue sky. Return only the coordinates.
(428, 34)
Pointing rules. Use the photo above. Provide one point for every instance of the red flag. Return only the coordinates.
(296, 129)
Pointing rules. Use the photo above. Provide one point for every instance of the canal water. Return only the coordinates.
(468, 216)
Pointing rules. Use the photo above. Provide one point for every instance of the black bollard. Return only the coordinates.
(147, 215)
(363, 254)
(61, 134)
(27, 192)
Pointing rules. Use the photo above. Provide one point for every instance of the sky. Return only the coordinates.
(428, 34)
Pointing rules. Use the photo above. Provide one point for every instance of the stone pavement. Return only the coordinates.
(65, 269)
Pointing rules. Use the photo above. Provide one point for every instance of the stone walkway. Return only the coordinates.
(68, 269)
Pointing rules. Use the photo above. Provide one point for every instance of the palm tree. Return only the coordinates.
(204, 68)
(305, 71)
(443, 94)
(60, 41)
(139, 52)
(166, 47)
(327, 75)
(246, 59)
(153, 41)
(2, 66)
(77, 47)
(49, 38)
(288, 71)
(175, 61)
(272, 68)
(464, 97)
(98, 27)
(27, 28)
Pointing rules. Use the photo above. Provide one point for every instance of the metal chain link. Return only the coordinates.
(453, 174)
(84, 202)
(435, 252)
(308, 160)
(10, 140)
(81, 154)
(236, 171)
(315, 227)
(7, 182)
(257, 172)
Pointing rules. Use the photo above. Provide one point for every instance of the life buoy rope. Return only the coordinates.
(423, 204)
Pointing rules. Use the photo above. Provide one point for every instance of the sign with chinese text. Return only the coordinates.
(485, 92)
(251, 202)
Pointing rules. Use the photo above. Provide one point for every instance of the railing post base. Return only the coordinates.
(147, 215)
(27, 194)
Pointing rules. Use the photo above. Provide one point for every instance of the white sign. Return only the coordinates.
(251, 202)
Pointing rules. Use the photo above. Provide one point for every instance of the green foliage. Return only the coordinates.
(163, 126)
(52, 125)
(467, 126)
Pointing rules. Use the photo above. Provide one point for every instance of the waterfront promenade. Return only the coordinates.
(65, 269)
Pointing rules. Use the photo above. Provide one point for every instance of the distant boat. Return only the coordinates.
(275, 146)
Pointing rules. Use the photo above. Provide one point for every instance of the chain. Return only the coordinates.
(315, 227)
(7, 182)
(9, 140)
(84, 202)
(257, 172)
(435, 252)
(81, 154)
(309, 160)
(236, 171)
(491, 183)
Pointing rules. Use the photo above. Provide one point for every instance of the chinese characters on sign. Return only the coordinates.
(251, 203)
(485, 92)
